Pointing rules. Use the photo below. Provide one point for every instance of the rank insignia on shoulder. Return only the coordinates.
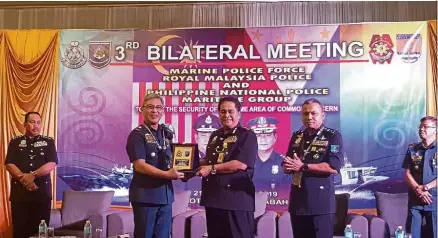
(15, 137)
(332, 131)
(298, 133)
(47, 137)
(334, 148)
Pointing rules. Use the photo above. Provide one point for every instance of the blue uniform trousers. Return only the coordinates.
(152, 220)
(422, 223)
(316, 226)
(223, 223)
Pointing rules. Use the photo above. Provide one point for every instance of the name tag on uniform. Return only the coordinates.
(40, 144)
(320, 143)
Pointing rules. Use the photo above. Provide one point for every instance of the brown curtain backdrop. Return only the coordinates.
(29, 82)
(432, 70)
(113, 15)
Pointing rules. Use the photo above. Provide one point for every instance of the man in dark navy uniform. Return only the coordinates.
(29, 160)
(420, 166)
(151, 190)
(228, 193)
(314, 155)
(268, 174)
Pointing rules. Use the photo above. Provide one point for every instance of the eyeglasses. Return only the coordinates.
(151, 107)
(426, 127)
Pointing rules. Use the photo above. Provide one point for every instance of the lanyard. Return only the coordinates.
(318, 134)
(164, 147)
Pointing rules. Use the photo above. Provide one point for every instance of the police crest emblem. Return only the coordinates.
(274, 169)
(74, 56)
(99, 53)
(381, 49)
(409, 47)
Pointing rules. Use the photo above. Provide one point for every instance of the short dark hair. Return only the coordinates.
(428, 118)
(26, 117)
(311, 100)
(229, 99)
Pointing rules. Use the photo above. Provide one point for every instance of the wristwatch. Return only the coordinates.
(425, 188)
(213, 169)
(34, 173)
(305, 167)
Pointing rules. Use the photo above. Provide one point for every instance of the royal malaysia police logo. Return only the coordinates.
(74, 57)
(409, 47)
(99, 53)
(381, 49)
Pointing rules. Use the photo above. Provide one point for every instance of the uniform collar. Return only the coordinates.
(306, 131)
(232, 131)
(433, 145)
(152, 129)
(33, 138)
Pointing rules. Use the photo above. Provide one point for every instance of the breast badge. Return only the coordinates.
(274, 169)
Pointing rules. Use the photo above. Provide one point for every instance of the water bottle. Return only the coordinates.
(87, 229)
(42, 229)
(399, 233)
(348, 232)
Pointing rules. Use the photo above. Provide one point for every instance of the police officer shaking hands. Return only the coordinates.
(151, 191)
(313, 156)
(228, 192)
(29, 160)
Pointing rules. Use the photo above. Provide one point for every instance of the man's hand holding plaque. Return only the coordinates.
(185, 159)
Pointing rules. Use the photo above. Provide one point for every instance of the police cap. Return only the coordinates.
(263, 125)
(207, 123)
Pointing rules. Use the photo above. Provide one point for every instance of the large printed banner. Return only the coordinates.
(371, 79)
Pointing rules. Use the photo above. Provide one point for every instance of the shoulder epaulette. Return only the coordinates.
(414, 144)
(47, 137)
(246, 128)
(16, 137)
(333, 131)
(298, 132)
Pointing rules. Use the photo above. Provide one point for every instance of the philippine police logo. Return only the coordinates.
(74, 57)
(409, 47)
(381, 49)
(99, 53)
